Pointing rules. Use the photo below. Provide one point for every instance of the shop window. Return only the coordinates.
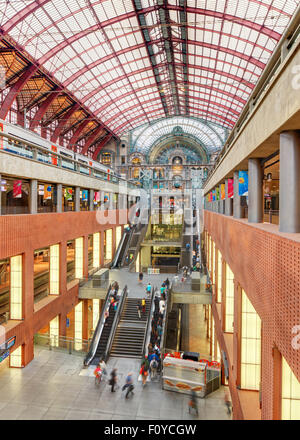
(84, 200)
(108, 245)
(78, 327)
(70, 260)
(97, 199)
(96, 310)
(16, 287)
(90, 251)
(123, 160)
(290, 393)
(68, 198)
(46, 197)
(79, 258)
(14, 196)
(96, 249)
(229, 302)
(16, 358)
(54, 331)
(220, 269)
(250, 346)
(213, 262)
(41, 273)
(54, 269)
(4, 289)
(118, 235)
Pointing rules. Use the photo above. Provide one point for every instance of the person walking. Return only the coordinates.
(139, 309)
(113, 379)
(227, 402)
(144, 373)
(148, 289)
(193, 403)
(143, 306)
(103, 367)
(128, 385)
(141, 276)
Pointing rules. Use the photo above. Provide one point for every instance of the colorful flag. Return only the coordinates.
(47, 192)
(243, 183)
(68, 193)
(96, 197)
(230, 188)
(217, 193)
(214, 195)
(17, 189)
(222, 191)
(85, 195)
(106, 198)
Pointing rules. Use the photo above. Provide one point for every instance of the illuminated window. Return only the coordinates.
(79, 257)
(106, 158)
(54, 269)
(118, 235)
(137, 263)
(78, 327)
(16, 287)
(212, 272)
(95, 312)
(209, 321)
(219, 290)
(15, 359)
(229, 303)
(250, 346)
(209, 252)
(108, 247)
(290, 394)
(96, 249)
(54, 331)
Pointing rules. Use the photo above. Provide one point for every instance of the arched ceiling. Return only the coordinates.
(131, 61)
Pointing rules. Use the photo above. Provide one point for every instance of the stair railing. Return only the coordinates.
(165, 320)
(149, 320)
(98, 332)
(115, 323)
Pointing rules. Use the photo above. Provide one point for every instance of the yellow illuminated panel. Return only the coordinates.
(54, 269)
(212, 272)
(212, 338)
(15, 359)
(108, 253)
(95, 312)
(78, 327)
(219, 291)
(209, 252)
(209, 321)
(118, 235)
(250, 346)
(54, 331)
(96, 249)
(137, 263)
(290, 394)
(16, 287)
(229, 308)
(79, 257)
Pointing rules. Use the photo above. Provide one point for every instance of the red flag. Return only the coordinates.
(17, 189)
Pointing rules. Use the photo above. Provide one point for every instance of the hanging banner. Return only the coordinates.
(85, 195)
(68, 193)
(47, 192)
(243, 183)
(214, 195)
(210, 196)
(17, 189)
(217, 193)
(106, 198)
(230, 188)
(96, 197)
(222, 191)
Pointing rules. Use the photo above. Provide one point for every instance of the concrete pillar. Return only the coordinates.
(238, 210)
(59, 197)
(228, 202)
(222, 203)
(255, 191)
(289, 190)
(91, 200)
(33, 196)
(77, 198)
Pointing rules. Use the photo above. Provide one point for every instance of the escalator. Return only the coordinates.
(122, 249)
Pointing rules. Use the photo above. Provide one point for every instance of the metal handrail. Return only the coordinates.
(288, 39)
(98, 332)
(115, 260)
(149, 319)
(115, 322)
(165, 322)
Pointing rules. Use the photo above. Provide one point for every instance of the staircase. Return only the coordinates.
(130, 333)
(104, 337)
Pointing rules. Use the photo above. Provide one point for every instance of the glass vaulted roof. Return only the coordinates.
(132, 61)
(208, 134)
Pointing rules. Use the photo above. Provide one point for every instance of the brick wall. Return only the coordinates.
(266, 264)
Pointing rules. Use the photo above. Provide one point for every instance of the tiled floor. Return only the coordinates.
(54, 386)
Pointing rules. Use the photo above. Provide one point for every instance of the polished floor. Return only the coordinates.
(55, 387)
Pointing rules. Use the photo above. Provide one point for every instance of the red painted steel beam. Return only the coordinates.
(101, 145)
(78, 132)
(44, 107)
(91, 139)
(62, 122)
(15, 89)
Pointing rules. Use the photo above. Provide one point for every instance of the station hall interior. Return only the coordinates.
(150, 210)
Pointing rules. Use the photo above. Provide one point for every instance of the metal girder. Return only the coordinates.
(140, 13)
(185, 50)
(65, 117)
(101, 145)
(91, 139)
(77, 133)
(44, 107)
(15, 89)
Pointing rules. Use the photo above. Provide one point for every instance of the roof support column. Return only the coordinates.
(238, 209)
(15, 89)
(228, 201)
(289, 188)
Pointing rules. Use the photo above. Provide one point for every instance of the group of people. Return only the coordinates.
(101, 371)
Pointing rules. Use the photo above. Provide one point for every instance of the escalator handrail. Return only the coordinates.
(165, 322)
(128, 243)
(149, 319)
(115, 323)
(98, 332)
(119, 250)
